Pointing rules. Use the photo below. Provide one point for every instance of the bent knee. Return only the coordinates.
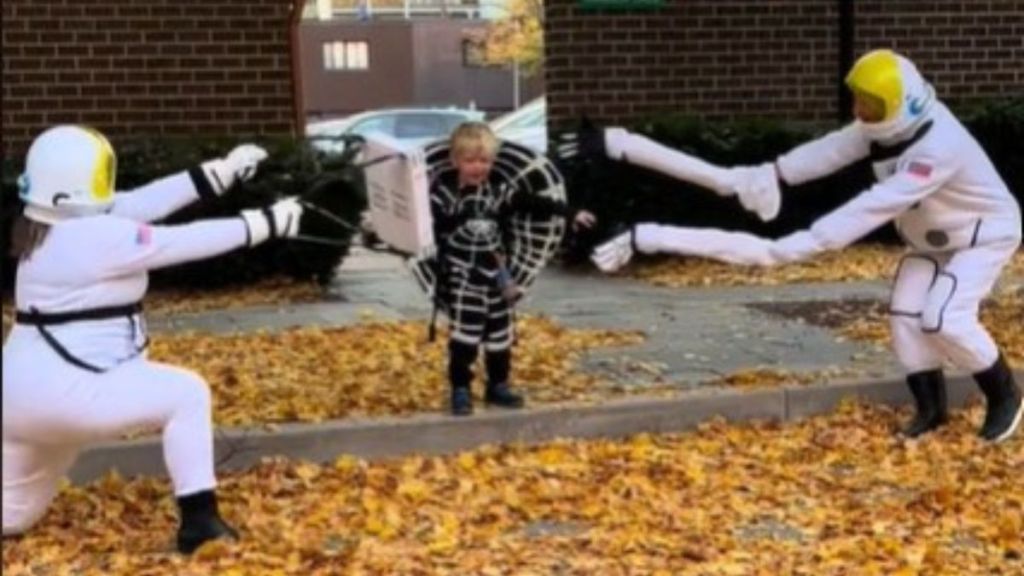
(190, 388)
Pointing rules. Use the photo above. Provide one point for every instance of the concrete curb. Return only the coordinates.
(239, 449)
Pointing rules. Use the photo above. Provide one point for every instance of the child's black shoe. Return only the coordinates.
(462, 402)
(503, 396)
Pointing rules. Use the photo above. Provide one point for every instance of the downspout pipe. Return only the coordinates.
(846, 58)
(298, 109)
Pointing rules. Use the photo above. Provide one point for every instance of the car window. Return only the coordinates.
(453, 120)
(531, 119)
(375, 124)
(421, 126)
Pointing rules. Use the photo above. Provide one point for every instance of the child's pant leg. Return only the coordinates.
(468, 319)
(31, 476)
(951, 311)
(498, 327)
(468, 313)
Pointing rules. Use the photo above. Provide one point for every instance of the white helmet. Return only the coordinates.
(69, 172)
(893, 82)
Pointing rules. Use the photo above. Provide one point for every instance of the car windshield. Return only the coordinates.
(528, 116)
(424, 125)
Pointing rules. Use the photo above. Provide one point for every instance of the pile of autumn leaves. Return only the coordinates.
(832, 495)
(835, 495)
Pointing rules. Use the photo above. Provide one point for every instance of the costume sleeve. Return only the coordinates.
(916, 177)
(130, 247)
(823, 156)
(444, 221)
(162, 197)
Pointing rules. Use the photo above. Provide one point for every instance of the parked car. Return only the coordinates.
(417, 125)
(526, 125)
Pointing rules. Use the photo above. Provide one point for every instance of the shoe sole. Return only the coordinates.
(1013, 425)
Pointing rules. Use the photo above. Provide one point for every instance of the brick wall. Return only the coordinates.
(767, 58)
(153, 67)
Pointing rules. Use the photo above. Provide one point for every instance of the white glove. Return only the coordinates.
(795, 247)
(279, 220)
(757, 188)
(238, 166)
(613, 254)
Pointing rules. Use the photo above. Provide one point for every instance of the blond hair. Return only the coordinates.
(473, 137)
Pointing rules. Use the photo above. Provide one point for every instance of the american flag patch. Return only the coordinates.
(144, 235)
(919, 169)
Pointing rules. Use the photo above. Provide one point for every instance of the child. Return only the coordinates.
(471, 213)
(74, 365)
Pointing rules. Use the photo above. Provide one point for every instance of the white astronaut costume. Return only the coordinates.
(949, 204)
(74, 366)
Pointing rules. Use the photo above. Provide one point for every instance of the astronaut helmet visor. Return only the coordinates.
(868, 108)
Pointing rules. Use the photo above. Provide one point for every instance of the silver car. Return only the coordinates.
(414, 125)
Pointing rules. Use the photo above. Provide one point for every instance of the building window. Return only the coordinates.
(346, 56)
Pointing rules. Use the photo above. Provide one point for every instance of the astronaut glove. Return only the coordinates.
(238, 166)
(614, 254)
(588, 142)
(279, 220)
(757, 188)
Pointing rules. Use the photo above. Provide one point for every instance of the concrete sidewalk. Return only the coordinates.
(693, 335)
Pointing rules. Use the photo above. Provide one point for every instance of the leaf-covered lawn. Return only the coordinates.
(312, 373)
(861, 262)
(831, 496)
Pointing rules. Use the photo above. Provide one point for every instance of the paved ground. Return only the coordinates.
(693, 334)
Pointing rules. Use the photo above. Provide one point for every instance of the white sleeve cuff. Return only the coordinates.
(257, 225)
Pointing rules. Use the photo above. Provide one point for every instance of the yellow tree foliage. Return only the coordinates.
(518, 36)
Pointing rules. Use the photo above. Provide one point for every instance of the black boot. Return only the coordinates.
(1005, 406)
(460, 374)
(929, 390)
(498, 391)
(200, 521)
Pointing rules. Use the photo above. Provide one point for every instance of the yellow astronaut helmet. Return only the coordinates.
(69, 172)
(892, 85)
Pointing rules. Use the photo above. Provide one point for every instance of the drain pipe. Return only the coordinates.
(845, 60)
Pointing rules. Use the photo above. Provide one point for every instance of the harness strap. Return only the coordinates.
(34, 317)
(40, 320)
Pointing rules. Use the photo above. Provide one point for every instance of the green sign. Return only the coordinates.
(621, 4)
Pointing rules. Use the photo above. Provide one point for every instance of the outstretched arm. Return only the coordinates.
(127, 247)
(823, 156)
(163, 197)
(756, 187)
(915, 178)
(730, 247)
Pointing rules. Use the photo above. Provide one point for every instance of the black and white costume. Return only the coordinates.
(503, 231)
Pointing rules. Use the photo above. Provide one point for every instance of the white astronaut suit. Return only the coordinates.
(74, 366)
(957, 216)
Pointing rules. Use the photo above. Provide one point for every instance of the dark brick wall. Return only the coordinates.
(146, 67)
(767, 58)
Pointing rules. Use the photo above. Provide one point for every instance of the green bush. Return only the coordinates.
(293, 168)
(620, 194)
